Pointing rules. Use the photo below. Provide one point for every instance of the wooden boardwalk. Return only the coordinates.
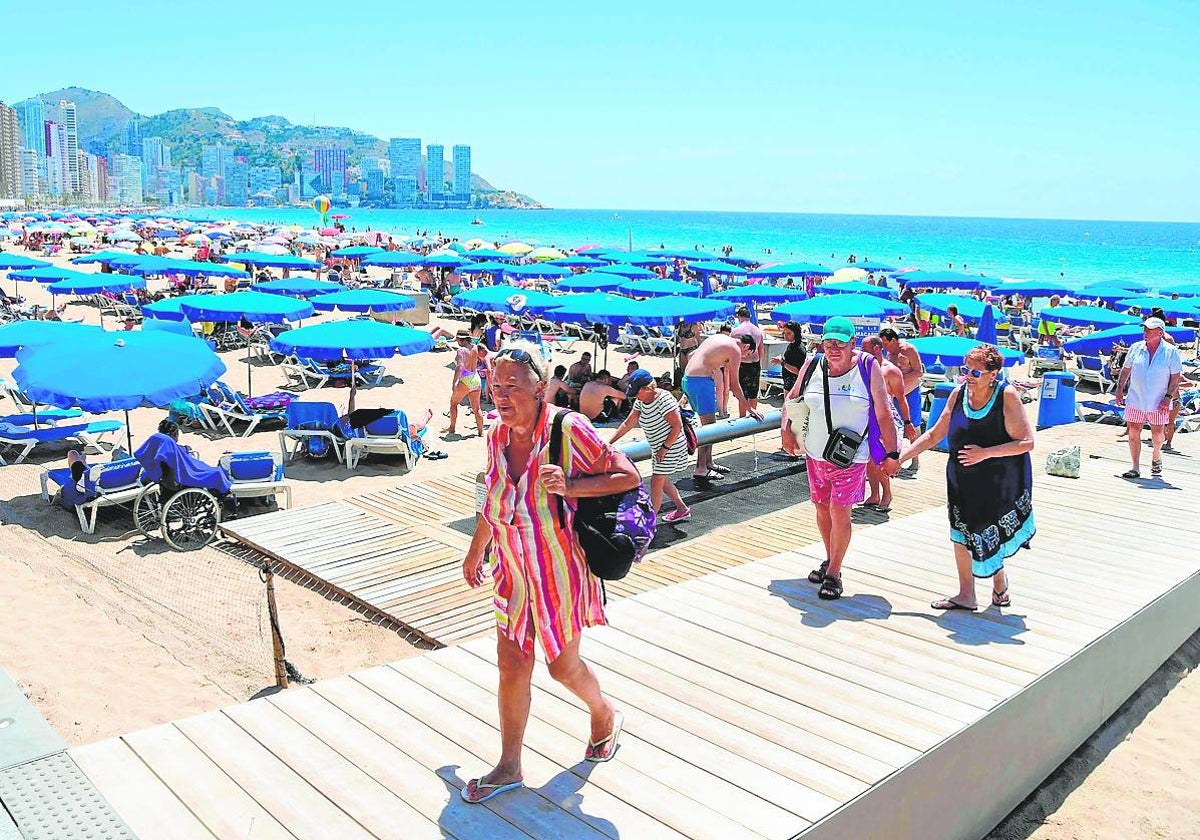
(394, 551)
(752, 708)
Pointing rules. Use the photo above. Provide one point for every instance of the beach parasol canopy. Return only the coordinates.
(615, 310)
(16, 262)
(853, 287)
(945, 280)
(101, 257)
(95, 284)
(591, 281)
(818, 310)
(445, 261)
(536, 272)
(272, 260)
(356, 252)
(631, 272)
(659, 288)
(874, 267)
(255, 307)
(952, 350)
(488, 267)
(1031, 288)
(578, 262)
(1105, 294)
(362, 301)
(1186, 289)
(1104, 341)
(759, 293)
(546, 253)
(480, 254)
(1086, 316)
(20, 334)
(971, 309)
(515, 248)
(299, 287)
(1182, 308)
(505, 298)
(796, 269)
(353, 340)
(189, 268)
(1131, 285)
(717, 267)
(393, 259)
(49, 274)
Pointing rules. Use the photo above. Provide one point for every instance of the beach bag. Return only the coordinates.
(614, 531)
(1064, 462)
(687, 418)
(797, 409)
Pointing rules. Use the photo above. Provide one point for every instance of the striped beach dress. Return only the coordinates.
(542, 585)
(652, 419)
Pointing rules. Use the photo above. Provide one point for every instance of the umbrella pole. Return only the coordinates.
(353, 387)
(249, 372)
(128, 434)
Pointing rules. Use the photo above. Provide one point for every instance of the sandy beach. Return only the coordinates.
(109, 634)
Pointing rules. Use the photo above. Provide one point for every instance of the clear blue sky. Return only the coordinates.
(1054, 109)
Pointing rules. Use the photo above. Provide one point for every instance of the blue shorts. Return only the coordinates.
(701, 392)
(914, 406)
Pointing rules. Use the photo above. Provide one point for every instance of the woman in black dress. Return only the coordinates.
(793, 355)
(989, 476)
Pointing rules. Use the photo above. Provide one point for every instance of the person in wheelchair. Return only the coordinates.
(175, 466)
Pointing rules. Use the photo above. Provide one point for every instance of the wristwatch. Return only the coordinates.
(893, 454)
(909, 423)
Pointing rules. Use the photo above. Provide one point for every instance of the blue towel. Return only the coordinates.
(186, 469)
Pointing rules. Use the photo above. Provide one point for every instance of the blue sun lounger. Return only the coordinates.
(103, 485)
(25, 438)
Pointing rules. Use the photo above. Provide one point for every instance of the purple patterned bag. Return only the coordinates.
(615, 531)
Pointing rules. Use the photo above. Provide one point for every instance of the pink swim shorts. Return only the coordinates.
(828, 484)
(1153, 418)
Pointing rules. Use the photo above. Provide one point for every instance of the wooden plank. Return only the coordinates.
(149, 807)
(224, 807)
(288, 796)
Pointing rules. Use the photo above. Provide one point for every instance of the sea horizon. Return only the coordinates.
(1075, 251)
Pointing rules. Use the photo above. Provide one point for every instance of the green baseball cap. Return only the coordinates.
(839, 329)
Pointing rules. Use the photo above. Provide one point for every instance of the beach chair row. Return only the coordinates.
(315, 430)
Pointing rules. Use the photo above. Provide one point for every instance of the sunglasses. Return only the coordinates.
(520, 356)
(972, 372)
(835, 344)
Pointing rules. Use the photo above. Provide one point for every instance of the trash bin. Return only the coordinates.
(941, 393)
(1056, 400)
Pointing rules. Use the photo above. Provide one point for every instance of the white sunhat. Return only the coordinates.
(1154, 324)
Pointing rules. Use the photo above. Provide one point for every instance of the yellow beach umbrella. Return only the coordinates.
(545, 253)
(849, 273)
(516, 248)
(476, 243)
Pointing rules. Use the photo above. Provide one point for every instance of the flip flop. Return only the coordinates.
(488, 791)
(711, 475)
(950, 604)
(613, 738)
(879, 509)
(720, 469)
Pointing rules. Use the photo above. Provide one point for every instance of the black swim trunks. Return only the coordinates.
(750, 377)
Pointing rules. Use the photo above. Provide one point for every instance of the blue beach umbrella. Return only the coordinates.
(189, 268)
(717, 267)
(1187, 289)
(94, 284)
(986, 331)
(952, 350)
(445, 261)
(487, 267)
(945, 280)
(759, 293)
(971, 309)
(50, 274)
(614, 310)
(795, 269)
(253, 258)
(577, 262)
(854, 287)
(300, 287)
(634, 258)
(1103, 341)
(500, 299)
(358, 340)
(1182, 308)
(536, 272)
(1106, 294)
(101, 257)
(659, 288)
(1131, 285)
(874, 267)
(818, 310)
(356, 252)
(20, 334)
(591, 281)
(393, 259)
(117, 371)
(687, 256)
(16, 262)
(631, 272)
(1031, 288)
(489, 254)
(167, 309)
(1086, 316)
(363, 300)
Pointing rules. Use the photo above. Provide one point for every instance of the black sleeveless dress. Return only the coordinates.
(990, 503)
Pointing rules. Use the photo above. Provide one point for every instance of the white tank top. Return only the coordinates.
(849, 404)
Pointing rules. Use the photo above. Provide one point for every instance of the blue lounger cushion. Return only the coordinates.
(252, 466)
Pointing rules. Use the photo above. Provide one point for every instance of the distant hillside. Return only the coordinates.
(263, 140)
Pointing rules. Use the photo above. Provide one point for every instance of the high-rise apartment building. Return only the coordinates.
(330, 163)
(31, 116)
(237, 183)
(88, 191)
(462, 173)
(374, 184)
(265, 179)
(435, 171)
(213, 160)
(102, 179)
(125, 186)
(404, 155)
(31, 186)
(71, 126)
(10, 153)
(58, 171)
(131, 138)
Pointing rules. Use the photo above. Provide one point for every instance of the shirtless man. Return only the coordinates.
(700, 384)
(581, 371)
(594, 398)
(893, 380)
(558, 392)
(904, 356)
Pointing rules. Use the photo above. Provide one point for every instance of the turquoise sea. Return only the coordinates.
(1081, 252)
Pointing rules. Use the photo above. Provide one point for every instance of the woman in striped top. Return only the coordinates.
(542, 586)
(657, 413)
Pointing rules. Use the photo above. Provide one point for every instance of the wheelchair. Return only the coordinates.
(187, 518)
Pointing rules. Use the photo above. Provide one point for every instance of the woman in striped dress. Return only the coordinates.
(543, 589)
(657, 413)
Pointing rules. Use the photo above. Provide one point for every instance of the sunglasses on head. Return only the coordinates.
(520, 356)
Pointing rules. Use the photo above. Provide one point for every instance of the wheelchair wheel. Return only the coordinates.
(190, 519)
(147, 511)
